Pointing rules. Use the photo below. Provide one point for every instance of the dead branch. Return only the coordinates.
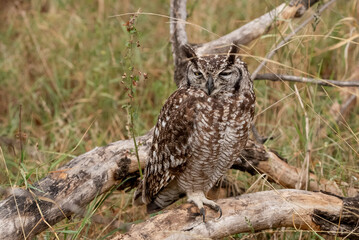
(289, 78)
(240, 36)
(287, 38)
(256, 159)
(259, 26)
(178, 36)
(69, 189)
(314, 211)
(66, 191)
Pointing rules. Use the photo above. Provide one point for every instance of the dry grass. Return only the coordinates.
(63, 62)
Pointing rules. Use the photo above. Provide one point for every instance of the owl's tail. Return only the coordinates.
(163, 199)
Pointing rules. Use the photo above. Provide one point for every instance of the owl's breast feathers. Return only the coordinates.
(192, 125)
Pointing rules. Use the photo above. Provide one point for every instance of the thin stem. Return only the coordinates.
(135, 142)
(132, 81)
(289, 78)
(20, 136)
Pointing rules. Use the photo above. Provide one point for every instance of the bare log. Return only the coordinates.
(256, 159)
(314, 211)
(66, 191)
(287, 176)
(27, 212)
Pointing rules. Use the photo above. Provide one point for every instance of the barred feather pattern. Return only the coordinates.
(198, 136)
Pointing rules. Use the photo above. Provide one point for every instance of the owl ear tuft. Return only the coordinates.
(231, 55)
(188, 51)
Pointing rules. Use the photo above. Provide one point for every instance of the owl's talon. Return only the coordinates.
(215, 207)
(202, 211)
(218, 209)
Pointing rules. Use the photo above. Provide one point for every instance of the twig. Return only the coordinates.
(286, 39)
(289, 78)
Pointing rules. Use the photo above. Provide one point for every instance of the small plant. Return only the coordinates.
(130, 79)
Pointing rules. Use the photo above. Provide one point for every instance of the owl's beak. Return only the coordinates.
(210, 85)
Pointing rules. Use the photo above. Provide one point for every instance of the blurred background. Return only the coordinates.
(62, 63)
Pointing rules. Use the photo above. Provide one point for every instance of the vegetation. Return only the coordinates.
(62, 64)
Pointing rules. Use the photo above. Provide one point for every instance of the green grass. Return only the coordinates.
(63, 61)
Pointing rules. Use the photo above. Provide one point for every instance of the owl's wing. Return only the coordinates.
(171, 145)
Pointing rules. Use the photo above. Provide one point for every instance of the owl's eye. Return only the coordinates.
(226, 73)
(197, 74)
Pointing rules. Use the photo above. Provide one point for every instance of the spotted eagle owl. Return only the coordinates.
(201, 130)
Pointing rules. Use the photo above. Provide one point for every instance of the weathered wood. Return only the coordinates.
(178, 36)
(69, 189)
(300, 209)
(287, 176)
(289, 36)
(257, 159)
(342, 224)
(241, 36)
(256, 28)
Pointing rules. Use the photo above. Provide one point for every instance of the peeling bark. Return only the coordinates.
(69, 189)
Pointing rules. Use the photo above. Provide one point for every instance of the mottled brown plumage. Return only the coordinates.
(201, 130)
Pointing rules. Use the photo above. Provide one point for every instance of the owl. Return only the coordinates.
(201, 130)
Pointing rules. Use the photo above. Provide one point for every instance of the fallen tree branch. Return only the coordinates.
(240, 36)
(287, 38)
(69, 189)
(314, 211)
(289, 78)
(258, 27)
(256, 159)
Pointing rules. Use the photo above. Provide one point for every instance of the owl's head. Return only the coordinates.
(216, 74)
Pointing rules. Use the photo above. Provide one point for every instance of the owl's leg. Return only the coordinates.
(199, 199)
